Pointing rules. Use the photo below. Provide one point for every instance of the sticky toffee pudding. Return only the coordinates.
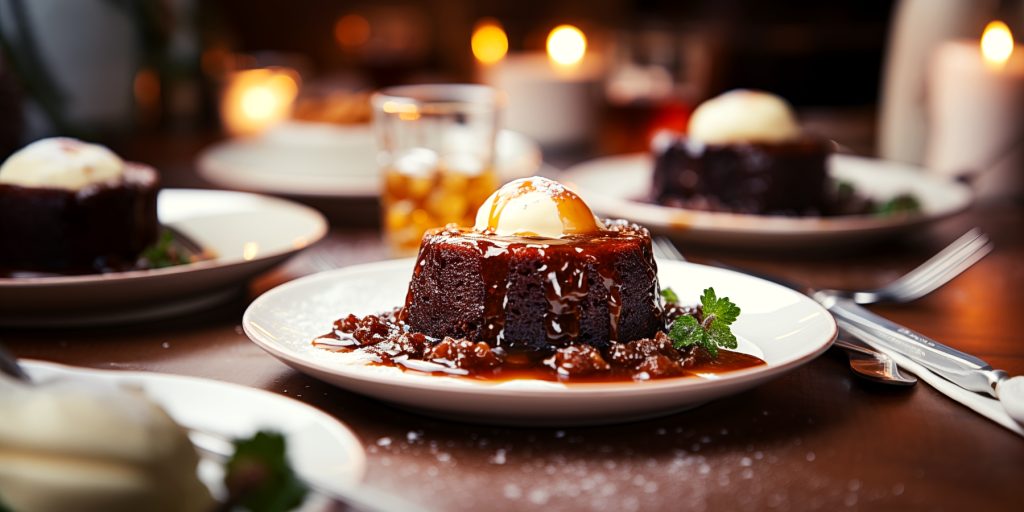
(540, 289)
(68, 207)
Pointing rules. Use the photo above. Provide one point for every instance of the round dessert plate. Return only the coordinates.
(617, 187)
(781, 326)
(322, 160)
(247, 233)
(320, 448)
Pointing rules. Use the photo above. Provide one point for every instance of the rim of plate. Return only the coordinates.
(348, 439)
(217, 262)
(727, 222)
(213, 168)
(264, 340)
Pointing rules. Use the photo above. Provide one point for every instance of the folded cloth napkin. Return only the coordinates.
(981, 404)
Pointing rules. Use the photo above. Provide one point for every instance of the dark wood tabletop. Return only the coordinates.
(817, 438)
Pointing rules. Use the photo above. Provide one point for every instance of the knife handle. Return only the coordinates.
(963, 369)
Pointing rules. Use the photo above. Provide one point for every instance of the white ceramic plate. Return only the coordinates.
(315, 159)
(249, 233)
(781, 326)
(615, 186)
(320, 448)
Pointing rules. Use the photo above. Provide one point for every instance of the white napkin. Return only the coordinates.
(981, 404)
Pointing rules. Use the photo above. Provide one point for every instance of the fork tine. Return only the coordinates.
(950, 257)
(665, 249)
(925, 287)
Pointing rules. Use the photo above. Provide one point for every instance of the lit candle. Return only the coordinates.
(976, 111)
(256, 99)
(551, 95)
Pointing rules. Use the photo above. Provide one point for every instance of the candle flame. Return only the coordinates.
(566, 45)
(489, 42)
(996, 44)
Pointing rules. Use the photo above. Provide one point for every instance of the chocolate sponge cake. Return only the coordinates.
(100, 227)
(785, 178)
(535, 294)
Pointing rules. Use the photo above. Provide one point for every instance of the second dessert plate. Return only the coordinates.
(320, 448)
(247, 234)
(782, 327)
(617, 186)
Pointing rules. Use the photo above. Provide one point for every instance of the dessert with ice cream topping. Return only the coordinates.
(67, 206)
(745, 153)
(538, 288)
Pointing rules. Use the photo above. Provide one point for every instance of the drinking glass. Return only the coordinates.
(435, 148)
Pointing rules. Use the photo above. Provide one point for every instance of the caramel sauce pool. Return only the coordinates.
(523, 368)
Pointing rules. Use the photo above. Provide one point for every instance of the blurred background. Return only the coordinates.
(166, 78)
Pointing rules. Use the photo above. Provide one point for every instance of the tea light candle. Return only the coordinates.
(976, 107)
(551, 96)
(256, 99)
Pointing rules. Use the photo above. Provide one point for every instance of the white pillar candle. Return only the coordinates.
(976, 115)
(554, 106)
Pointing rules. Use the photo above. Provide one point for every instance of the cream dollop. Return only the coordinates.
(743, 116)
(70, 445)
(535, 207)
(61, 163)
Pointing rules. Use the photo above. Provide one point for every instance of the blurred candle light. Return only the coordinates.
(352, 31)
(552, 95)
(996, 44)
(976, 112)
(256, 99)
(566, 45)
(489, 41)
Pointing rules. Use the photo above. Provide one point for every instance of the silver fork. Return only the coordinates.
(948, 263)
(664, 249)
(940, 269)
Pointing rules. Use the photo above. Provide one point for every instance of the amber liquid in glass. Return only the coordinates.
(417, 200)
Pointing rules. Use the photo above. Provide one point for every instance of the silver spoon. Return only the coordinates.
(874, 366)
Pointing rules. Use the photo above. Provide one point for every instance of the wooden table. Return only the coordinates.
(816, 439)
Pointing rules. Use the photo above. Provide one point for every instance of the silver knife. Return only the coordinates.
(964, 370)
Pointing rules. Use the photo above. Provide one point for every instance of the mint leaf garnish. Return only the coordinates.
(711, 333)
(259, 478)
(718, 310)
(901, 204)
(686, 331)
(161, 254)
(669, 295)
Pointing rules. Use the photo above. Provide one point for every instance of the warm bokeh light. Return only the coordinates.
(147, 88)
(566, 45)
(489, 42)
(250, 250)
(996, 44)
(352, 31)
(257, 98)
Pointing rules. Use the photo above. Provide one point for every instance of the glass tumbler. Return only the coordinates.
(436, 147)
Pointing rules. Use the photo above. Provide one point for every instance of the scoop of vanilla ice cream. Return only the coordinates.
(743, 116)
(61, 163)
(535, 207)
(86, 446)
